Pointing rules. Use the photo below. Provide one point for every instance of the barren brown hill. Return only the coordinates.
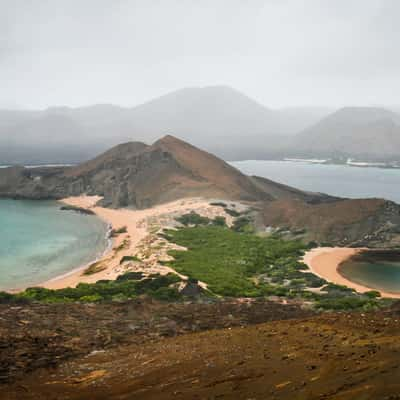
(137, 175)
(279, 191)
(118, 155)
(358, 222)
(140, 175)
(209, 170)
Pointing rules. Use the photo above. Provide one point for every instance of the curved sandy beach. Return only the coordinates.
(325, 261)
(137, 238)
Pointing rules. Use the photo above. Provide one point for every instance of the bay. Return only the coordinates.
(38, 241)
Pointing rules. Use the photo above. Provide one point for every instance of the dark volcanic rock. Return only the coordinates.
(77, 209)
(192, 289)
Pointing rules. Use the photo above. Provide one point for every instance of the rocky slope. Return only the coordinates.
(35, 335)
(355, 223)
(137, 175)
(150, 351)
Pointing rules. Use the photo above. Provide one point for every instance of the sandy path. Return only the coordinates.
(324, 262)
(136, 222)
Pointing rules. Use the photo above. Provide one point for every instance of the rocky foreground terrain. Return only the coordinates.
(224, 350)
(35, 335)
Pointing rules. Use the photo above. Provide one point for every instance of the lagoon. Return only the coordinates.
(38, 241)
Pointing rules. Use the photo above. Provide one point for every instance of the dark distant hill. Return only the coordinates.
(218, 119)
(363, 133)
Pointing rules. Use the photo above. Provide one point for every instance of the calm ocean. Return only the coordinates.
(38, 241)
(338, 180)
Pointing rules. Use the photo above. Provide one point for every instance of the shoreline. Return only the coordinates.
(81, 268)
(325, 263)
(136, 240)
(116, 219)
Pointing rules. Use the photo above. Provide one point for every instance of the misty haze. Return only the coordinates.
(199, 199)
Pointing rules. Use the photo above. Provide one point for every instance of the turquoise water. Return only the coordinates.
(381, 272)
(38, 241)
(338, 180)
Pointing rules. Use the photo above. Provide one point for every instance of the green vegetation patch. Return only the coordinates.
(347, 303)
(243, 224)
(219, 221)
(194, 219)
(161, 287)
(229, 261)
(236, 263)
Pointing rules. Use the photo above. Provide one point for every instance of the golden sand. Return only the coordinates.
(325, 261)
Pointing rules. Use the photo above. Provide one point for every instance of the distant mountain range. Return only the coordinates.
(364, 133)
(217, 118)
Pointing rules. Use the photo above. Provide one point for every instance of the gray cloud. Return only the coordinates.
(286, 52)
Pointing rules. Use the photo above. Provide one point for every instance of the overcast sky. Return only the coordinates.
(280, 52)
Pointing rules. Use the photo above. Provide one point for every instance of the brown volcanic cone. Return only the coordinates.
(210, 175)
(171, 169)
(138, 175)
(134, 174)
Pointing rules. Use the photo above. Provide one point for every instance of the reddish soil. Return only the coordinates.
(329, 356)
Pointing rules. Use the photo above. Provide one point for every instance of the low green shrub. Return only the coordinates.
(218, 204)
(242, 224)
(372, 294)
(232, 213)
(130, 276)
(219, 221)
(127, 286)
(193, 218)
(346, 303)
(128, 258)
